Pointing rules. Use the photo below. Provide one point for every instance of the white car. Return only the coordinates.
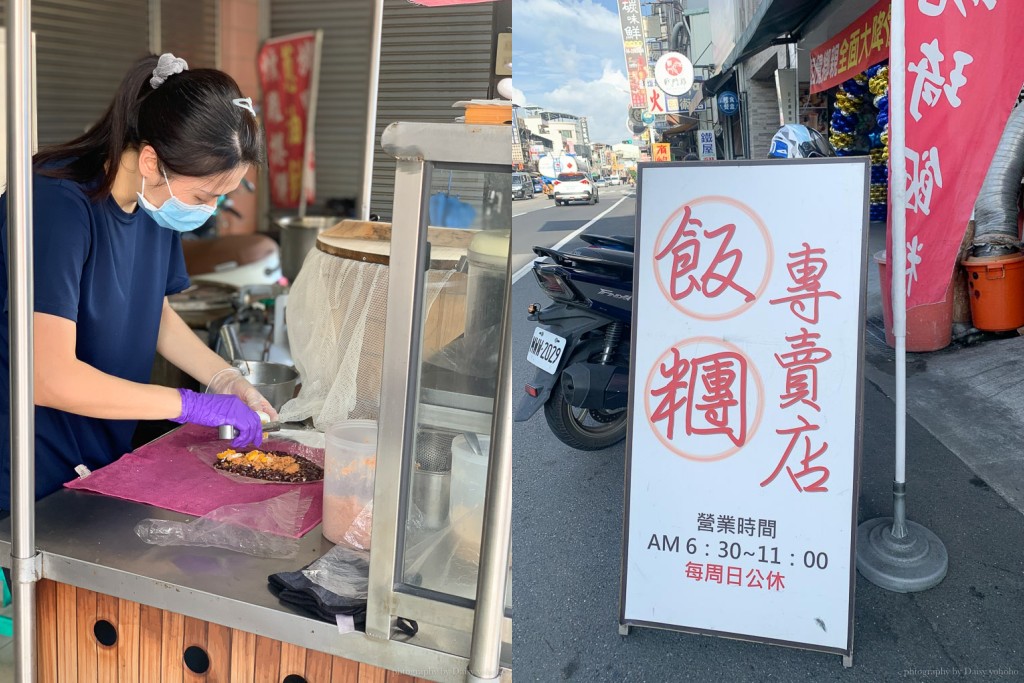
(574, 187)
(614, 181)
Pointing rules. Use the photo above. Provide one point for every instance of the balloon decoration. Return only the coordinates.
(859, 127)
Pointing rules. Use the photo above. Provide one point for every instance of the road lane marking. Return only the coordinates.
(517, 215)
(529, 266)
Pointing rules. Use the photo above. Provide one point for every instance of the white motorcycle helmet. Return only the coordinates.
(794, 141)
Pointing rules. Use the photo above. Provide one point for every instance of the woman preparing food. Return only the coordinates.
(109, 208)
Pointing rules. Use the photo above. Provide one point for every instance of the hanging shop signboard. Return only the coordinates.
(706, 144)
(674, 73)
(957, 74)
(656, 98)
(287, 74)
(728, 103)
(631, 23)
(863, 43)
(744, 442)
(662, 152)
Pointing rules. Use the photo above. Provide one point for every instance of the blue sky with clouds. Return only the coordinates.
(567, 56)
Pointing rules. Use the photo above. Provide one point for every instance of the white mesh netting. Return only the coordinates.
(336, 315)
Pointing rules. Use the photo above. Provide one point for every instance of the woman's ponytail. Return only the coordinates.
(187, 116)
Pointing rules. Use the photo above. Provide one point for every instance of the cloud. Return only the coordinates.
(516, 95)
(604, 101)
(567, 56)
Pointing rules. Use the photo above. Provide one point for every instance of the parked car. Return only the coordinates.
(538, 185)
(575, 187)
(600, 182)
(522, 186)
(614, 180)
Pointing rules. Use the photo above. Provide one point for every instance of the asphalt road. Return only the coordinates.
(538, 222)
(567, 540)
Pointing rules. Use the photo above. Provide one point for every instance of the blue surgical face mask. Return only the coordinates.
(174, 213)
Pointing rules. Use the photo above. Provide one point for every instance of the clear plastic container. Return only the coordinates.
(350, 462)
(469, 483)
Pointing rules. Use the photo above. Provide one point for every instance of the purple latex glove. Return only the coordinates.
(214, 410)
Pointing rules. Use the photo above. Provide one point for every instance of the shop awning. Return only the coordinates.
(773, 18)
(685, 124)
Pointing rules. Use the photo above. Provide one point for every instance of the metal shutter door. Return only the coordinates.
(344, 79)
(83, 49)
(188, 29)
(430, 59)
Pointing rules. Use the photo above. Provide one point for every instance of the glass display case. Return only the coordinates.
(442, 510)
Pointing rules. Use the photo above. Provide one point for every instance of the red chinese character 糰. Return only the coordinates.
(801, 369)
(798, 434)
(806, 270)
(685, 249)
(721, 403)
(678, 376)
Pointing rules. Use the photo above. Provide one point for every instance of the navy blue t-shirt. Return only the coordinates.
(108, 271)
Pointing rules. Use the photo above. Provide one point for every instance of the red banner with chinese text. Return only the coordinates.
(863, 43)
(286, 75)
(961, 86)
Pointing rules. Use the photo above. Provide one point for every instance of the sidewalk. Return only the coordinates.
(969, 397)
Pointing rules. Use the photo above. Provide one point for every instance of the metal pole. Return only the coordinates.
(897, 152)
(19, 244)
(371, 109)
(893, 552)
(496, 543)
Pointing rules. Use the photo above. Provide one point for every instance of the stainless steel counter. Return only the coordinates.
(88, 540)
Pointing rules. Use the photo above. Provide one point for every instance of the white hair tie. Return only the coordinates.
(245, 103)
(167, 66)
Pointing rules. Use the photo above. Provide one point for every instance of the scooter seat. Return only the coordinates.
(614, 241)
(619, 258)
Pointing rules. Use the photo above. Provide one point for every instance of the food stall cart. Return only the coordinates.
(94, 602)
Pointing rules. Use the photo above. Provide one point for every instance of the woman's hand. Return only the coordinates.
(214, 410)
(231, 381)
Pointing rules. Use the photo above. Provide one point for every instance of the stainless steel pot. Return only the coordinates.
(275, 381)
(297, 238)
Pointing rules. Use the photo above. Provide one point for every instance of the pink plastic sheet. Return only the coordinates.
(167, 474)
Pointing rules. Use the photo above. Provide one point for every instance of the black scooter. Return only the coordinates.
(581, 344)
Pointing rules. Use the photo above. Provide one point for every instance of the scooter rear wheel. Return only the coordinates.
(577, 428)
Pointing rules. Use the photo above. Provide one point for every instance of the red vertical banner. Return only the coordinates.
(961, 86)
(287, 75)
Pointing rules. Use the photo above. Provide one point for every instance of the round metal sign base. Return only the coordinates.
(914, 563)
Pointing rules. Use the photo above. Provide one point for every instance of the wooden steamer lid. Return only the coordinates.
(370, 242)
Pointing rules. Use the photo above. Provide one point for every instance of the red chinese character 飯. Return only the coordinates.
(685, 249)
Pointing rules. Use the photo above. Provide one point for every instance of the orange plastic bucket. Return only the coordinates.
(929, 327)
(996, 288)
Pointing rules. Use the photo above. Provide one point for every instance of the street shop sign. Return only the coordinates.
(706, 144)
(863, 43)
(662, 151)
(728, 103)
(958, 73)
(674, 73)
(744, 439)
(631, 24)
(287, 68)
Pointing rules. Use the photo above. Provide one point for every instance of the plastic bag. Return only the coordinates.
(342, 571)
(263, 529)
